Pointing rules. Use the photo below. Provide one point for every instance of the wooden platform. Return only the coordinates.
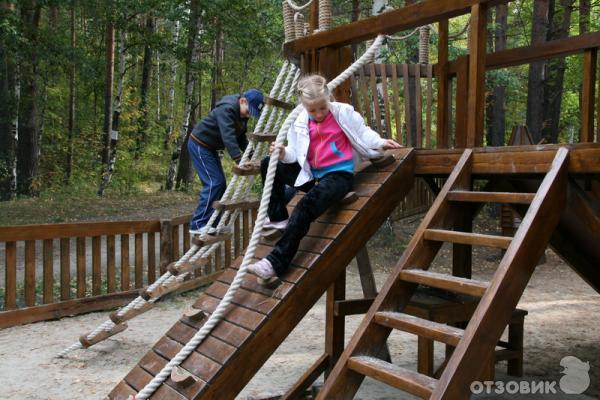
(260, 319)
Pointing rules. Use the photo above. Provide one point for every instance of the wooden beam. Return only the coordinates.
(462, 95)
(334, 324)
(443, 87)
(542, 51)
(419, 14)
(584, 158)
(477, 51)
(588, 96)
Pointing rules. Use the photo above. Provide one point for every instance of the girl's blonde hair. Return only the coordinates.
(313, 87)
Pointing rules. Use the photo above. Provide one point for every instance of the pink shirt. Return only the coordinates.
(328, 143)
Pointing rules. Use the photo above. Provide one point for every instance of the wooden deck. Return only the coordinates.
(260, 319)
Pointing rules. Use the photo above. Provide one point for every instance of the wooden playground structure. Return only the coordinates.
(554, 188)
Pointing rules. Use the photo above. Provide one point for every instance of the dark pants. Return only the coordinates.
(319, 197)
(210, 171)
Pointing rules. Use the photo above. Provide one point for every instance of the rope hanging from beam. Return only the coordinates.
(324, 15)
(297, 7)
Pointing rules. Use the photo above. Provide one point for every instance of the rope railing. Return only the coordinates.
(219, 312)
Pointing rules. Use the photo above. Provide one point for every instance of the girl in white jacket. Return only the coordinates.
(324, 144)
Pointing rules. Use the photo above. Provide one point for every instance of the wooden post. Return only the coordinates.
(313, 20)
(477, 51)
(462, 93)
(334, 325)
(590, 58)
(462, 254)
(166, 245)
(332, 61)
(443, 87)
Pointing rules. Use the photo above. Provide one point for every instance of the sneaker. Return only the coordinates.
(194, 232)
(263, 269)
(275, 225)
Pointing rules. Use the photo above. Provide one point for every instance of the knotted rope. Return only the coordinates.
(194, 253)
(218, 314)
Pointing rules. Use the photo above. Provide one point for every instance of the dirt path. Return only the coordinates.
(564, 314)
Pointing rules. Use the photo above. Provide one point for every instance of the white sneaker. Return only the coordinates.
(196, 232)
(275, 225)
(263, 269)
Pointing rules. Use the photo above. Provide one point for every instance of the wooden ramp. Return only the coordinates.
(260, 319)
(498, 297)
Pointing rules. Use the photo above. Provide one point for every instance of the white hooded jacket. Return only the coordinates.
(365, 142)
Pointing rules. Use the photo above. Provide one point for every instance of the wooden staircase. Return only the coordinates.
(498, 298)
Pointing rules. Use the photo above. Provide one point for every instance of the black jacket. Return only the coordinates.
(224, 128)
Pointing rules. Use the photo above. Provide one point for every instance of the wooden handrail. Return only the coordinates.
(13, 233)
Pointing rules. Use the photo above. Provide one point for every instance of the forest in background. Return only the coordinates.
(72, 72)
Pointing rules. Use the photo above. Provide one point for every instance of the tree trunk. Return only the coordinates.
(28, 146)
(9, 111)
(495, 114)
(192, 59)
(535, 92)
(114, 136)
(171, 106)
(217, 73)
(555, 72)
(71, 104)
(142, 136)
(108, 90)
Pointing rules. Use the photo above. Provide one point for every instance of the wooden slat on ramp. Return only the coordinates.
(259, 319)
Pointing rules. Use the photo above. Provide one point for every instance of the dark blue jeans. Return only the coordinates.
(319, 197)
(210, 171)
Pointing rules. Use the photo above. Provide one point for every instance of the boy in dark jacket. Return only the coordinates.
(223, 128)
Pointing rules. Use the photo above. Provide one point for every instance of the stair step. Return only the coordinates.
(400, 378)
(443, 281)
(476, 239)
(420, 327)
(491, 197)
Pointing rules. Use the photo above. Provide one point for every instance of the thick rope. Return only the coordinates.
(218, 314)
(194, 253)
(288, 22)
(299, 25)
(424, 44)
(297, 7)
(324, 15)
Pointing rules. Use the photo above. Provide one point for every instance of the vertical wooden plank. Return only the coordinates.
(30, 273)
(397, 113)
(186, 237)
(139, 260)
(152, 255)
(125, 285)
(443, 117)
(81, 261)
(477, 51)
(219, 258)
(313, 20)
(48, 261)
(96, 265)
(418, 105)
(237, 236)
(166, 246)
(227, 253)
(429, 104)
(334, 325)
(364, 91)
(246, 229)
(355, 95)
(462, 93)
(375, 98)
(175, 242)
(588, 96)
(254, 215)
(10, 276)
(65, 268)
(405, 80)
(386, 103)
(111, 273)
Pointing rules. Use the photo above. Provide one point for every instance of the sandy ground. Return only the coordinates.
(563, 320)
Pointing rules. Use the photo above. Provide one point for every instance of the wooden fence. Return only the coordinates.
(55, 270)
